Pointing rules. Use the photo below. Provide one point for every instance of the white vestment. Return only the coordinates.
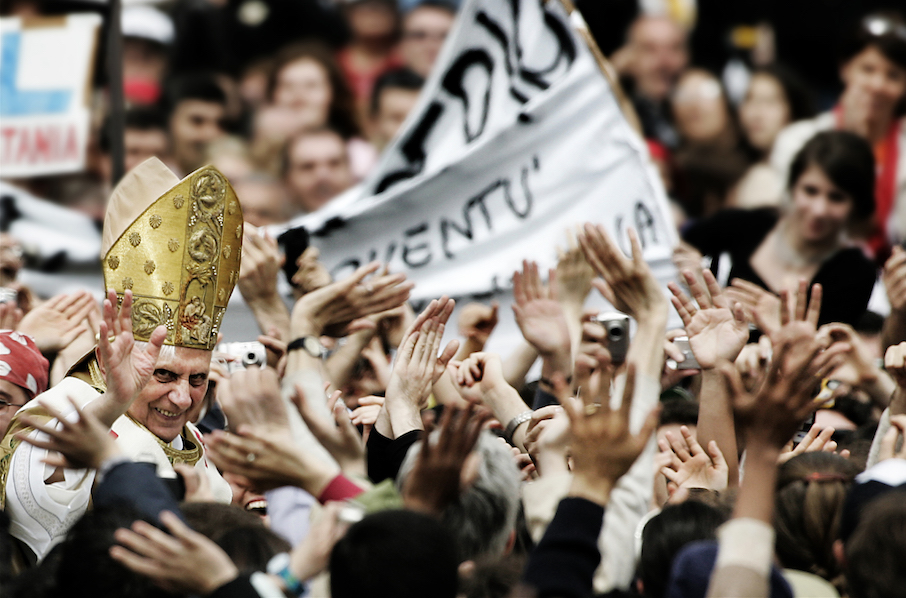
(41, 514)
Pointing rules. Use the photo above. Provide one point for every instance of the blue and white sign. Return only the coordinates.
(45, 75)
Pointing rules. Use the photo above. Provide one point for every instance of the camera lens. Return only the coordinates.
(615, 332)
(250, 358)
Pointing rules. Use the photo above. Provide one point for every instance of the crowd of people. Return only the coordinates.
(759, 450)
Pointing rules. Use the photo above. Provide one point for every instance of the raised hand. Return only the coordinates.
(476, 323)
(332, 308)
(690, 466)
(546, 439)
(538, 311)
(893, 445)
(716, 329)
(57, 322)
(10, 316)
(795, 309)
(339, 437)
(628, 284)
(602, 446)
(858, 368)
(80, 444)
(816, 440)
(260, 267)
(252, 397)
(772, 415)
(894, 278)
(895, 363)
(182, 561)
(436, 479)
(755, 300)
(127, 367)
(574, 275)
(311, 275)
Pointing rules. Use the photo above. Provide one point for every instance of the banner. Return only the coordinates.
(46, 66)
(517, 137)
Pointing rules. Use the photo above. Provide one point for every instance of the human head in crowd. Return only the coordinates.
(483, 518)
(811, 490)
(11, 253)
(306, 81)
(873, 68)
(263, 198)
(874, 552)
(242, 534)
(23, 374)
(315, 168)
(775, 98)
(231, 156)
(664, 536)
(147, 36)
(373, 23)
(395, 94)
(425, 27)
(701, 109)
(196, 112)
(657, 54)
(395, 553)
(144, 136)
(831, 186)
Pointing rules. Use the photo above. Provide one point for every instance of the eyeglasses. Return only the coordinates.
(4, 404)
(421, 36)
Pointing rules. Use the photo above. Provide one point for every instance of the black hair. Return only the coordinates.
(666, 534)
(798, 96)
(874, 552)
(885, 31)
(847, 160)
(196, 86)
(869, 323)
(400, 78)
(142, 118)
(678, 411)
(395, 553)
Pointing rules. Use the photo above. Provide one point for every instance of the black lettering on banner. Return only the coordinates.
(466, 230)
(413, 149)
(645, 224)
(525, 211)
(411, 260)
(453, 82)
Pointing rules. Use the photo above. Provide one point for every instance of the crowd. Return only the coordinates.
(759, 450)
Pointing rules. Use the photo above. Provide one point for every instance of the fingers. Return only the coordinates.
(814, 306)
(717, 457)
(717, 298)
(698, 291)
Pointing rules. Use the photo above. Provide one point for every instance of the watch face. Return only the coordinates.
(312, 346)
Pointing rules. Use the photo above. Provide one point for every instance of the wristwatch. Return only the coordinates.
(309, 344)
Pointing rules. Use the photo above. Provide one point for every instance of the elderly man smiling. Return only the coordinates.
(171, 252)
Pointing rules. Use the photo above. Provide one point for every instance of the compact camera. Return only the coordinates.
(246, 355)
(616, 326)
(689, 363)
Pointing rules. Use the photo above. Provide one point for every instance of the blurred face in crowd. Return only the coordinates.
(318, 170)
(193, 125)
(142, 144)
(304, 87)
(394, 104)
(12, 397)
(764, 111)
(821, 210)
(699, 108)
(263, 201)
(372, 20)
(10, 259)
(879, 82)
(175, 393)
(658, 54)
(424, 30)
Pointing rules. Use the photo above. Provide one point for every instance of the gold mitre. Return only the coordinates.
(176, 245)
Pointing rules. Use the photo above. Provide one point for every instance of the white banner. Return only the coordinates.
(45, 75)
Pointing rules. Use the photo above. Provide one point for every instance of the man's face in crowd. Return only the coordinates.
(394, 104)
(658, 56)
(193, 125)
(142, 144)
(14, 397)
(318, 170)
(424, 31)
(263, 202)
(175, 393)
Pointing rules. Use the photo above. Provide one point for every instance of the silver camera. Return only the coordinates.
(246, 355)
(689, 362)
(8, 295)
(616, 326)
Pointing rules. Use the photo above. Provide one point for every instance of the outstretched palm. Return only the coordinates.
(538, 312)
(128, 367)
(715, 330)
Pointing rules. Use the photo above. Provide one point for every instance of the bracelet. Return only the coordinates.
(515, 423)
(279, 566)
(548, 383)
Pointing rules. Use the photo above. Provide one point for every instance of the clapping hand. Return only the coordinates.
(716, 329)
(57, 322)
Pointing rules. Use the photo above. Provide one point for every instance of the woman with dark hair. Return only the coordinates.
(776, 97)
(306, 90)
(873, 70)
(831, 190)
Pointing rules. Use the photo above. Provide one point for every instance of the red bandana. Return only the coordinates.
(22, 363)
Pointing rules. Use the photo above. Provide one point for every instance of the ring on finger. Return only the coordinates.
(251, 457)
